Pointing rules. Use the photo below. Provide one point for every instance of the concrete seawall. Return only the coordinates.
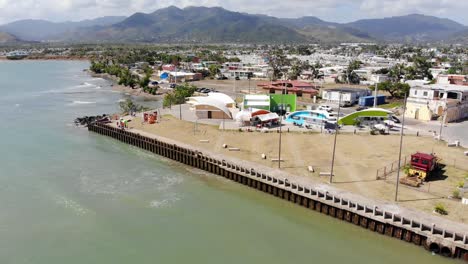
(449, 242)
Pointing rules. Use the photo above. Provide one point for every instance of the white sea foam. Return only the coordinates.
(70, 204)
(81, 103)
(166, 202)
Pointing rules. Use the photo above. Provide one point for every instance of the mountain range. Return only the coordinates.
(218, 25)
(6, 38)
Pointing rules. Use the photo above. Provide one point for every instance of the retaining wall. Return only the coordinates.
(448, 243)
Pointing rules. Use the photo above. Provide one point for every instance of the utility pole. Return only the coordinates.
(180, 111)
(442, 120)
(375, 96)
(280, 128)
(336, 135)
(399, 154)
(281, 124)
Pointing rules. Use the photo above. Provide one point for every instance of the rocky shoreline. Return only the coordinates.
(88, 120)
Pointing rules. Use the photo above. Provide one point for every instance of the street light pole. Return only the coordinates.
(336, 135)
(180, 111)
(442, 120)
(399, 154)
(375, 96)
(280, 131)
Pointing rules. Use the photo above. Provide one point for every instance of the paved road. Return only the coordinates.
(450, 132)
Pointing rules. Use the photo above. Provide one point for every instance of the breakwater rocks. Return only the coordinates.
(87, 120)
(449, 240)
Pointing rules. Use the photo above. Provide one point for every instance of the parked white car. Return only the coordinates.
(325, 108)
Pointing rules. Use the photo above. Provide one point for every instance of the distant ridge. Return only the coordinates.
(42, 30)
(414, 27)
(6, 38)
(218, 25)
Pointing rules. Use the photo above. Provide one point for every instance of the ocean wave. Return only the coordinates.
(166, 202)
(81, 103)
(70, 204)
(71, 89)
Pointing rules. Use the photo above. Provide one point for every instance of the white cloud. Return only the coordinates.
(332, 10)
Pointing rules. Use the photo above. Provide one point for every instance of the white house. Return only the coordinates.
(428, 102)
(349, 96)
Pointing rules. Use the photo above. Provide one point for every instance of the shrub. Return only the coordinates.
(406, 169)
(461, 184)
(456, 194)
(128, 106)
(440, 209)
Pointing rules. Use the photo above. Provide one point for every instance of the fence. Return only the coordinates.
(383, 172)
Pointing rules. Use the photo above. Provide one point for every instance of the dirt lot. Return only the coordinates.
(357, 159)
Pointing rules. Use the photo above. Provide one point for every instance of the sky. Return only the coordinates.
(329, 10)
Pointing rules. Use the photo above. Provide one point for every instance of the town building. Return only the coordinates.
(178, 77)
(349, 96)
(300, 89)
(453, 79)
(429, 102)
(278, 103)
(213, 106)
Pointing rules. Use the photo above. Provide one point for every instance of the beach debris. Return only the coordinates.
(225, 145)
(204, 141)
(324, 173)
(234, 149)
(310, 169)
(453, 144)
(264, 156)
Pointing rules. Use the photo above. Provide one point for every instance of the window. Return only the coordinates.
(425, 162)
(451, 95)
(425, 93)
(415, 92)
(416, 160)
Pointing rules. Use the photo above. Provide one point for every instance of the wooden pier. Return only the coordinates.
(451, 243)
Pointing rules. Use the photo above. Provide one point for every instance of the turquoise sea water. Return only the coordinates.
(68, 196)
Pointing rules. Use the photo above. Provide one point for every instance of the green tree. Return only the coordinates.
(420, 69)
(179, 94)
(296, 69)
(303, 50)
(128, 106)
(126, 78)
(277, 61)
(214, 69)
(144, 82)
(396, 90)
(350, 76)
(97, 67)
(396, 72)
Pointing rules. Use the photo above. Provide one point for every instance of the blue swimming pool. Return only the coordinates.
(313, 116)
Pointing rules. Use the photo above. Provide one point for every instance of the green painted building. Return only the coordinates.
(288, 101)
(271, 102)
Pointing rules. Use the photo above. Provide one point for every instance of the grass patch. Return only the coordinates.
(391, 105)
(440, 209)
